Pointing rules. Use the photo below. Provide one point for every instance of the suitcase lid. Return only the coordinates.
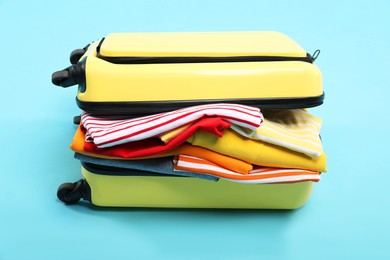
(200, 44)
(254, 48)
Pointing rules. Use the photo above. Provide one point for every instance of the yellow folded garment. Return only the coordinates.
(227, 162)
(294, 129)
(257, 152)
(168, 136)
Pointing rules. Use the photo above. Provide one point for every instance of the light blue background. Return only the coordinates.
(347, 216)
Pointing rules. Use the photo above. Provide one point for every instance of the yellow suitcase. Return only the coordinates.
(116, 187)
(146, 73)
(142, 73)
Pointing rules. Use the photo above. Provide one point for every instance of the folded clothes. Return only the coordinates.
(293, 129)
(227, 162)
(224, 161)
(153, 146)
(163, 165)
(257, 152)
(107, 132)
(257, 175)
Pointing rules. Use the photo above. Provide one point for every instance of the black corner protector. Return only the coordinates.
(82, 75)
(86, 191)
(141, 108)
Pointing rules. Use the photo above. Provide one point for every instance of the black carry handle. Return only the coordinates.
(74, 74)
(70, 76)
(64, 78)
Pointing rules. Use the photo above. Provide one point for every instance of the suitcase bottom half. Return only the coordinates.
(156, 191)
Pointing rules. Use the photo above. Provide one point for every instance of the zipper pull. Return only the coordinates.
(315, 55)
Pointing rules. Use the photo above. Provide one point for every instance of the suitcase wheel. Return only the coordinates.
(77, 54)
(77, 120)
(71, 193)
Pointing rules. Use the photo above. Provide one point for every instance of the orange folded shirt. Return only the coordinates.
(224, 161)
(258, 175)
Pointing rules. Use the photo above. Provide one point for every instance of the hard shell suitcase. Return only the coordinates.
(146, 73)
(116, 187)
(142, 73)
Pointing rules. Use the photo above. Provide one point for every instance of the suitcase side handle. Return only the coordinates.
(72, 75)
(62, 78)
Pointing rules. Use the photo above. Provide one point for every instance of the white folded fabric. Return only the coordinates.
(294, 129)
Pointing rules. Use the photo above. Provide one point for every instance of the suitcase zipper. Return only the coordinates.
(200, 59)
(188, 59)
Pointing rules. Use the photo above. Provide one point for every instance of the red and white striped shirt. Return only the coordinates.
(107, 132)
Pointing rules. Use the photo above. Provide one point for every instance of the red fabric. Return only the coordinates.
(153, 146)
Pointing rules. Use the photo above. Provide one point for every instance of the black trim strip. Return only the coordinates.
(195, 59)
(115, 171)
(152, 107)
